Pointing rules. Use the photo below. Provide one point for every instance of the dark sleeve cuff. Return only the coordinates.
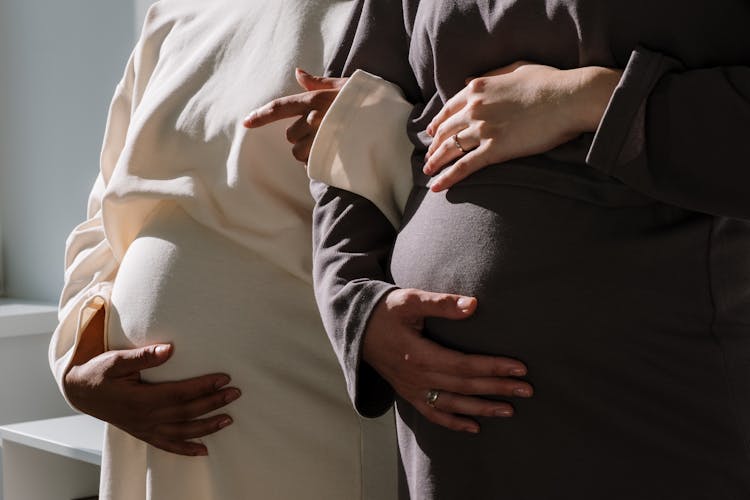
(621, 136)
(371, 395)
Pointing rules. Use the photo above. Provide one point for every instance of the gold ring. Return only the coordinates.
(431, 397)
(458, 144)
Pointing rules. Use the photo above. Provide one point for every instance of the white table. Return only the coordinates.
(54, 459)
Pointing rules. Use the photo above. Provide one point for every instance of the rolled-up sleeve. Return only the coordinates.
(681, 136)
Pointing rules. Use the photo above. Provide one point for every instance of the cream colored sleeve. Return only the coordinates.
(362, 145)
(90, 266)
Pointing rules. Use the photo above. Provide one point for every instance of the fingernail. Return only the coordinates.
(303, 71)
(232, 395)
(503, 412)
(250, 117)
(472, 429)
(161, 349)
(426, 170)
(522, 392)
(464, 303)
(518, 372)
(221, 382)
(225, 422)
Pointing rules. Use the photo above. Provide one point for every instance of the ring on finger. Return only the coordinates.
(457, 143)
(431, 397)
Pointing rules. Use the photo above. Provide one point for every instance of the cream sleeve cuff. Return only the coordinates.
(74, 318)
(362, 145)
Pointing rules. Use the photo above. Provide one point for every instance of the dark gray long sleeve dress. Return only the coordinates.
(617, 266)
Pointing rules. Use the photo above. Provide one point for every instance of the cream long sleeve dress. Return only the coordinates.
(198, 233)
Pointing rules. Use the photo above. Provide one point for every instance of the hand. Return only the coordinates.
(413, 365)
(108, 386)
(310, 106)
(520, 110)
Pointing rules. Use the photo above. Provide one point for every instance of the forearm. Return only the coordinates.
(589, 90)
(351, 245)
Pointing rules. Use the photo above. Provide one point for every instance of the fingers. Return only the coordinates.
(278, 109)
(299, 129)
(453, 106)
(183, 391)
(417, 304)
(446, 130)
(291, 106)
(193, 429)
(185, 448)
(198, 407)
(128, 361)
(468, 164)
(301, 150)
(503, 386)
(466, 405)
(443, 360)
(311, 82)
(446, 151)
(448, 420)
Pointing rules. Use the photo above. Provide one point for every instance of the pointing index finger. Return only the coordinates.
(278, 109)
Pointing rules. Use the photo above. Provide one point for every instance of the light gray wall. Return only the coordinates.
(141, 7)
(59, 63)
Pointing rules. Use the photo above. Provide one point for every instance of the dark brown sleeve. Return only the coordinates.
(680, 136)
(377, 41)
(352, 241)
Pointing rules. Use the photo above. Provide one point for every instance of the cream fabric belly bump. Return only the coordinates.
(227, 310)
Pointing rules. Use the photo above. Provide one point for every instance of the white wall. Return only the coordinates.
(59, 63)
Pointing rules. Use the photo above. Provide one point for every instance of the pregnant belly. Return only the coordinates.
(609, 307)
(553, 274)
(224, 308)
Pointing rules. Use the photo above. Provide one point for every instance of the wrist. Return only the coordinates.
(593, 87)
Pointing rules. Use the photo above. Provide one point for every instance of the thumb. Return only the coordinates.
(423, 304)
(312, 82)
(129, 361)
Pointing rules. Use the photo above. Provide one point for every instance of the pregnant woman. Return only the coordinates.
(198, 240)
(607, 242)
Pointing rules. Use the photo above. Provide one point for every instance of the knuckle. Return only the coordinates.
(313, 117)
(142, 354)
(444, 300)
(474, 106)
(408, 299)
(440, 135)
(484, 128)
(477, 85)
(274, 107)
(318, 98)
